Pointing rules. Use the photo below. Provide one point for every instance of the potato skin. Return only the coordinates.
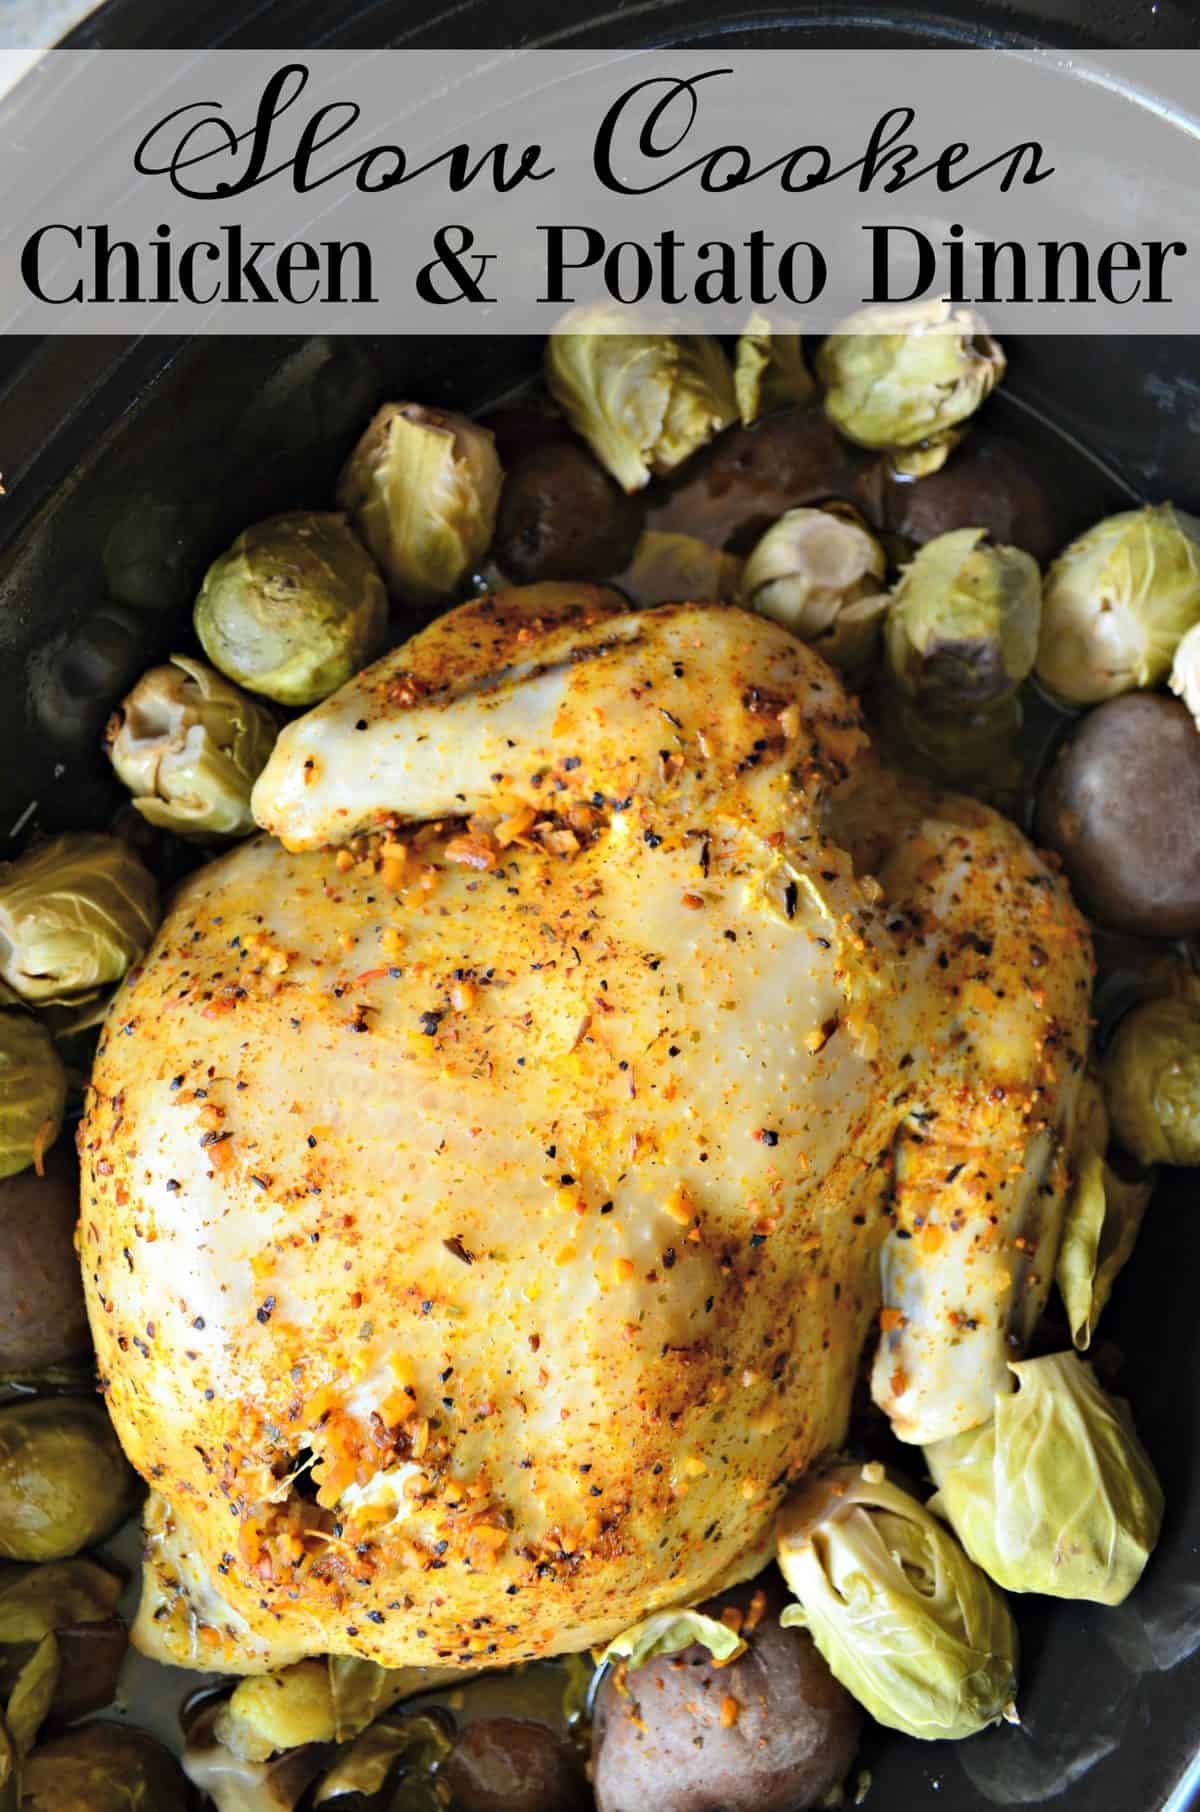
(562, 517)
(987, 484)
(514, 1765)
(661, 1743)
(42, 1317)
(1120, 804)
(731, 493)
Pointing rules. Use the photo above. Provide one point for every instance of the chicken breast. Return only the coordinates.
(491, 1184)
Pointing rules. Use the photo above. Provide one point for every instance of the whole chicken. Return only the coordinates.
(494, 1174)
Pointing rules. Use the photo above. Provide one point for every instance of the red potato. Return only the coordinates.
(770, 1732)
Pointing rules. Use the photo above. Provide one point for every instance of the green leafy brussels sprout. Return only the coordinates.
(10, 1785)
(189, 745)
(1103, 1217)
(32, 1695)
(1152, 1082)
(770, 370)
(421, 1740)
(1056, 1494)
(905, 1621)
(37, 1601)
(677, 569)
(422, 488)
(103, 1768)
(976, 752)
(33, 1091)
(64, 1481)
(1100, 1229)
(1184, 679)
(820, 573)
(293, 608)
(903, 379)
(315, 1702)
(1117, 604)
(962, 631)
(666, 1632)
(74, 914)
(642, 401)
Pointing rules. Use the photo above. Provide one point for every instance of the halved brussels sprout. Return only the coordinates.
(37, 1601)
(32, 1695)
(189, 745)
(64, 1481)
(1184, 679)
(678, 569)
(293, 608)
(770, 370)
(642, 401)
(1152, 1082)
(33, 1091)
(103, 1768)
(1117, 604)
(666, 1632)
(962, 631)
(903, 378)
(74, 914)
(422, 488)
(422, 1740)
(820, 573)
(1057, 1494)
(905, 1621)
(315, 1702)
(1103, 1219)
(976, 751)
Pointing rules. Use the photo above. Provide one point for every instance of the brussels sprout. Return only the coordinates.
(293, 608)
(1117, 603)
(642, 401)
(904, 378)
(666, 1632)
(820, 573)
(677, 569)
(103, 1768)
(977, 751)
(769, 370)
(316, 1702)
(189, 746)
(9, 1779)
(906, 1622)
(64, 1482)
(962, 631)
(1184, 679)
(37, 1601)
(422, 488)
(1056, 1494)
(1103, 1219)
(1152, 1082)
(421, 1740)
(74, 914)
(33, 1091)
(32, 1695)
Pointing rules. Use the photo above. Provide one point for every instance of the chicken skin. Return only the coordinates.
(494, 1175)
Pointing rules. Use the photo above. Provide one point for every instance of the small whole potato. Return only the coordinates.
(770, 1732)
(42, 1318)
(984, 484)
(730, 494)
(562, 517)
(1120, 804)
(514, 1765)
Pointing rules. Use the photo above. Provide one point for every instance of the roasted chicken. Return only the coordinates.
(494, 1174)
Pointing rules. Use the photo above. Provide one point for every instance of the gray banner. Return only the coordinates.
(487, 192)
